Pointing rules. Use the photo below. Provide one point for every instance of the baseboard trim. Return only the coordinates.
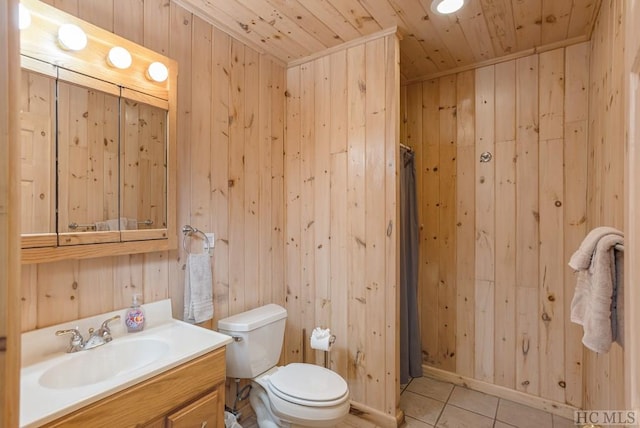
(377, 417)
(560, 409)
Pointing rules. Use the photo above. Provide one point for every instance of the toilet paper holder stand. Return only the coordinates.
(332, 340)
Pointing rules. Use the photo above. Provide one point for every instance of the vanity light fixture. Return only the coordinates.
(157, 72)
(24, 17)
(119, 57)
(71, 37)
(445, 7)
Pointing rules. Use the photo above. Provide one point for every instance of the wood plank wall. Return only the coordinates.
(9, 215)
(230, 175)
(494, 285)
(341, 215)
(604, 374)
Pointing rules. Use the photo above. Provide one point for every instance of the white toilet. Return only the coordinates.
(296, 395)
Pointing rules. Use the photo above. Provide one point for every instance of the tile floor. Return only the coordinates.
(431, 403)
(350, 421)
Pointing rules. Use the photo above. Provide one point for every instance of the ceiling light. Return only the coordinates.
(119, 57)
(71, 37)
(157, 72)
(24, 17)
(446, 6)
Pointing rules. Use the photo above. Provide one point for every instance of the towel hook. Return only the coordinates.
(188, 230)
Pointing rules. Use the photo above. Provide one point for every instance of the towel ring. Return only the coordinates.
(188, 230)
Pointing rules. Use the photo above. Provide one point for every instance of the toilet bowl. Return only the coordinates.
(295, 395)
(306, 394)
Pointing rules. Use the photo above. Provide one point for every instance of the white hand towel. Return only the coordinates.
(580, 296)
(581, 259)
(117, 223)
(101, 226)
(132, 224)
(113, 224)
(198, 289)
(591, 304)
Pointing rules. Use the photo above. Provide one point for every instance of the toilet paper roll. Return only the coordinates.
(321, 339)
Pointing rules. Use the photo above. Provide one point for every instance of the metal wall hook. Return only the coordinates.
(486, 157)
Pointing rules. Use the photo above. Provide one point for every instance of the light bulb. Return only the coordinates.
(71, 37)
(119, 57)
(446, 6)
(157, 72)
(24, 17)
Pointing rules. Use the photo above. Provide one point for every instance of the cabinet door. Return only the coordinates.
(88, 141)
(204, 413)
(143, 166)
(38, 140)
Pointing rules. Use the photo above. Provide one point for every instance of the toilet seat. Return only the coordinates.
(308, 385)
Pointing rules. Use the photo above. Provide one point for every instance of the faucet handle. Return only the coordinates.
(105, 331)
(76, 339)
(74, 331)
(105, 324)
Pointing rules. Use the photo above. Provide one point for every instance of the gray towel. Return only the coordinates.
(198, 289)
(617, 301)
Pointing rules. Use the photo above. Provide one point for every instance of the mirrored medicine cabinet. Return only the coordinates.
(97, 143)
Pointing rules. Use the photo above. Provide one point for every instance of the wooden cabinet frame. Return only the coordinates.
(41, 51)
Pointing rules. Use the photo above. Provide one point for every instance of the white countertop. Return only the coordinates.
(42, 350)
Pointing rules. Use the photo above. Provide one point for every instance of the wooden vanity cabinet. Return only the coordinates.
(190, 395)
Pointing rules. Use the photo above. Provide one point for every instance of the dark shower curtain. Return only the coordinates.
(410, 345)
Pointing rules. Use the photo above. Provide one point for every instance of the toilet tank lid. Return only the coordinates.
(254, 318)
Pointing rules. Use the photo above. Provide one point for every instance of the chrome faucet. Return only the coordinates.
(96, 337)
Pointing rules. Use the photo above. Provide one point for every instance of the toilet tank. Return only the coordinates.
(258, 335)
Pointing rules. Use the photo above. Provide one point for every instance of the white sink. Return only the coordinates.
(102, 363)
(54, 383)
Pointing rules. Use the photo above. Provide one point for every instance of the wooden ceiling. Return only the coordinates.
(431, 44)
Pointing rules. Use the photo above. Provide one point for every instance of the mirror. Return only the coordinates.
(88, 145)
(143, 163)
(98, 144)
